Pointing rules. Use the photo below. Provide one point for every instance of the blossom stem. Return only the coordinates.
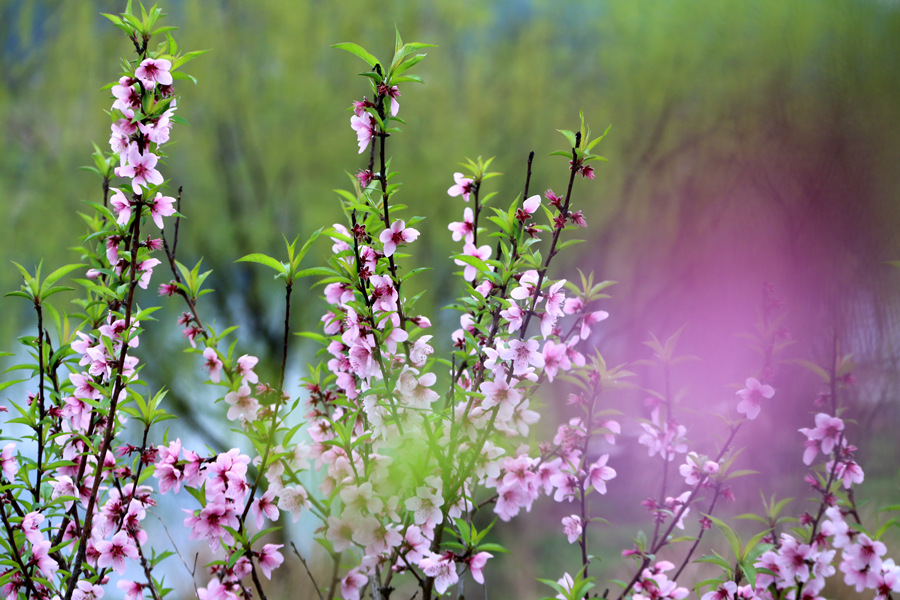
(118, 388)
(387, 220)
(563, 213)
(687, 558)
(663, 540)
(26, 573)
(308, 572)
(255, 576)
(36, 491)
(667, 400)
(276, 407)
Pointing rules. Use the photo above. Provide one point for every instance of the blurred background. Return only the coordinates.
(751, 143)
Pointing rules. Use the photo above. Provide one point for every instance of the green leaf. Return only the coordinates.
(305, 248)
(733, 540)
(186, 57)
(715, 560)
(359, 51)
(822, 373)
(263, 260)
(570, 136)
(491, 547)
(741, 473)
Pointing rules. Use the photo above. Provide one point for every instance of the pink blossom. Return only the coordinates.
(415, 391)
(522, 354)
(210, 523)
(398, 234)
(848, 471)
(64, 486)
(264, 508)
(161, 206)
(826, 434)
(520, 420)
(169, 477)
(465, 229)
(245, 366)
(340, 532)
(227, 476)
(612, 428)
(216, 590)
(392, 92)
(338, 293)
(566, 485)
(213, 364)
(484, 288)
(420, 351)
(153, 71)
(365, 177)
(794, 558)
(364, 126)
(463, 186)
(31, 527)
(415, 543)
(725, 591)
(514, 316)
(86, 590)
(340, 243)
(140, 167)
(193, 476)
(114, 552)
(133, 590)
(145, 268)
(532, 204)
(127, 98)
(555, 299)
(598, 474)
(527, 285)
(555, 359)
(8, 465)
(242, 405)
(572, 528)
(476, 565)
(158, 130)
(836, 527)
(865, 554)
(751, 396)
(40, 556)
(442, 568)
(270, 559)
(591, 319)
(691, 470)
(678, 508)
(425, 505)
(887, 581)
(360, 106)
(481, 252)
(352, 584)
(566, 582)
(361, 498)
(169, 454)
(293, 499)
(121, 206)
(500, 393)
(383, 538)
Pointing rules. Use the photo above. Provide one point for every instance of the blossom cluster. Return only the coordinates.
(401, 445)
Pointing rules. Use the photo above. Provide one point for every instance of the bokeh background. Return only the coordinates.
(751, 142)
